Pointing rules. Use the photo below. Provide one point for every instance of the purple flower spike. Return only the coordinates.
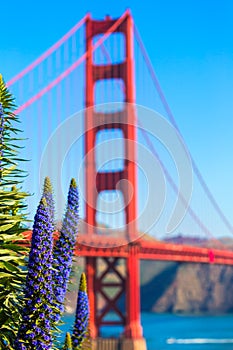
(48, 195)
(63, 251)
(35, 330)
(82, 314)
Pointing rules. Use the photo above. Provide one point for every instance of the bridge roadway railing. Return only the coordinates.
(104, 246)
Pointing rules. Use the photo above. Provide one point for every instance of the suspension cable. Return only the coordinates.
(48, 52)
(73, 66)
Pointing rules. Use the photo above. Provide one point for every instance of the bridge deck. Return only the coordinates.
(103, 246)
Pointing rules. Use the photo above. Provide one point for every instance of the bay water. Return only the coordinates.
(179, 332)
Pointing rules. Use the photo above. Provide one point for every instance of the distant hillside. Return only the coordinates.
(186, 288)
(223, 242)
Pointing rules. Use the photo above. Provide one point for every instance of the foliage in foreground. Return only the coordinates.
(33, 317)
(47, 279)
(12, 219)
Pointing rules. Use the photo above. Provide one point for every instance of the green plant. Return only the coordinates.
(29, 314)
(12, 220)
(68, 342)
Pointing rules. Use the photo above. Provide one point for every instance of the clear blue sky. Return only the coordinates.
(190, 44)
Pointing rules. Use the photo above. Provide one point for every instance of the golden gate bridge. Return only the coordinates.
(89, 103)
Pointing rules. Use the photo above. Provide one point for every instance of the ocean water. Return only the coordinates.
(179, 332)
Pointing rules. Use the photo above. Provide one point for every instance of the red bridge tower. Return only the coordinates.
(99, 181)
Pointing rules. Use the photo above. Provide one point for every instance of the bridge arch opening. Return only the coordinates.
(111, 51)
(110, 213)
(109, 95)
(110, 150)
